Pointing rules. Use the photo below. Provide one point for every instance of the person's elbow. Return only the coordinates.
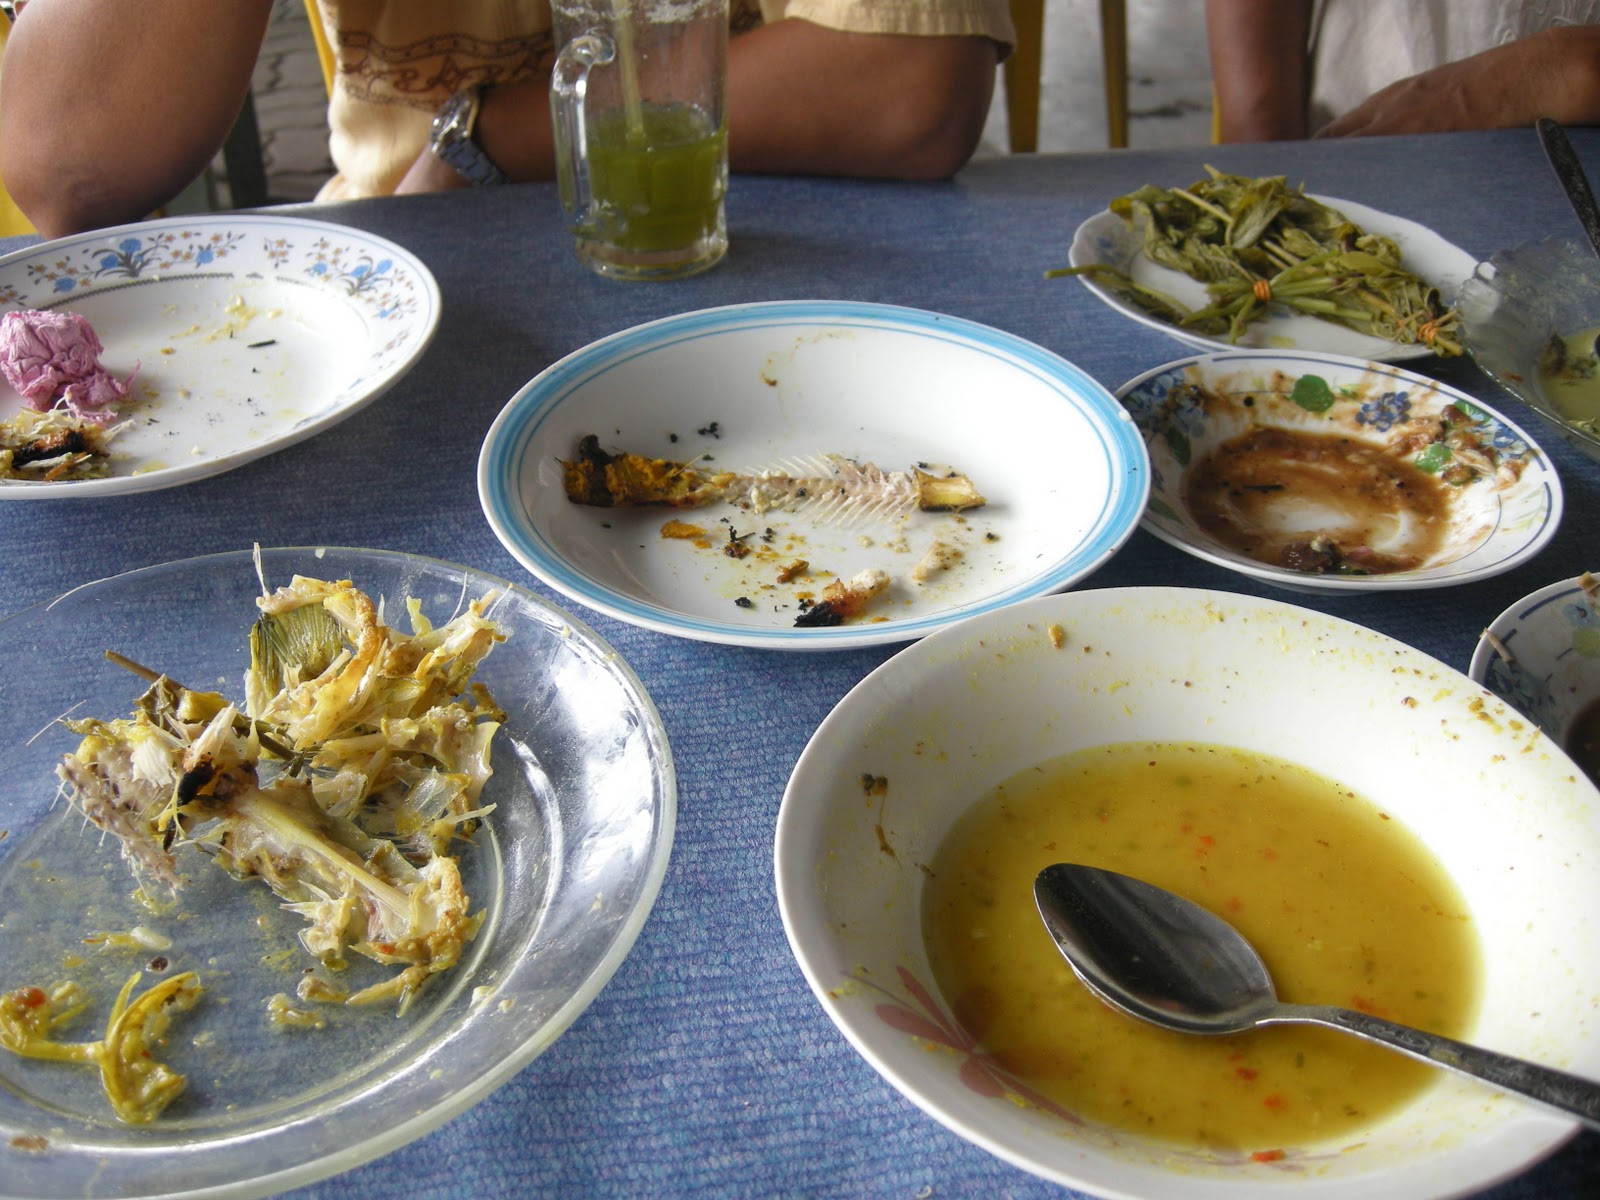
(938, 144)
(58, 200)
(64, 185)
(935, 127)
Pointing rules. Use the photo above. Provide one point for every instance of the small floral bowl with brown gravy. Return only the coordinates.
(1320, 473)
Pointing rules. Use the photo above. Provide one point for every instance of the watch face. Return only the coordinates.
(449, 120)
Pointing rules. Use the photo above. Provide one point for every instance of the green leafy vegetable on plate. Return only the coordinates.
(1255, 242)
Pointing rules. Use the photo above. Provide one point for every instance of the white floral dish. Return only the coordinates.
(1106, 238)
(565, 870)
(1542, 657)
(1502, 503)
(248, 333)
(759, 386)
(914, 745)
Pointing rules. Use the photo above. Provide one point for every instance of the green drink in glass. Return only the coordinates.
(658, 182)
(638, 101)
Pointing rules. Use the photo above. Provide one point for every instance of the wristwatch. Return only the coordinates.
(452, 141)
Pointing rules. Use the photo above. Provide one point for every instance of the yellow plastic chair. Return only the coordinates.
(1023, 69)
(319, 34)
(1022, 72)
(1114, 61)
(12, 222)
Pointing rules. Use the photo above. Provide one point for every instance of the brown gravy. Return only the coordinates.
(1321, 503)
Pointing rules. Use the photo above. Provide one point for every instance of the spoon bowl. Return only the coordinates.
(1161, 958)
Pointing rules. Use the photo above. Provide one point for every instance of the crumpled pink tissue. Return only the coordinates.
(54, 357)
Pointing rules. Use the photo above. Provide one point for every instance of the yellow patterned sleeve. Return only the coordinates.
(986, 18)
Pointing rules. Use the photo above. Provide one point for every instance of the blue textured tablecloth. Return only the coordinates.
(705, 1067)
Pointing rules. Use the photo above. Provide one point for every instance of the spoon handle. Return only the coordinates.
(1569, 171)
(1570, 1093)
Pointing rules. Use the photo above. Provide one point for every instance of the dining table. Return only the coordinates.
(705, 1066)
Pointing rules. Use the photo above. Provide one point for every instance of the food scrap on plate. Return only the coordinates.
(343, 781)
(138, 1085)
(829, 489)
(52, 359)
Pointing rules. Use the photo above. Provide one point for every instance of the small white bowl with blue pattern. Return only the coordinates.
(1542, 657)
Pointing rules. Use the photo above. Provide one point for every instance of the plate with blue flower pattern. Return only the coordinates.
(241, 335)
(1321, 473)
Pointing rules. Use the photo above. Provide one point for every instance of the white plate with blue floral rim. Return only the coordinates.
(1502, 497)
(1106, 238)
(757, 387)
(249, 334)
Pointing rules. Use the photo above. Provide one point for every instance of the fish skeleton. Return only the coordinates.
(832, 487)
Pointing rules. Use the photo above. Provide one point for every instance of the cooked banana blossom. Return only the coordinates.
(358, 760)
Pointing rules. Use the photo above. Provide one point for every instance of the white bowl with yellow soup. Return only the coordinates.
(1390, 835)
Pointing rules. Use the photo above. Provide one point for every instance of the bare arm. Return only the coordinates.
(1551, 74)
(802, 99)
(1259, 67)
(109, 108)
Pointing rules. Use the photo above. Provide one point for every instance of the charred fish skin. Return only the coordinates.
(842, 601)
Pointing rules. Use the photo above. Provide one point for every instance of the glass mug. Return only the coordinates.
(639, 101)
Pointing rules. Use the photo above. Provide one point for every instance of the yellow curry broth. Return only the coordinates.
(1346, 907)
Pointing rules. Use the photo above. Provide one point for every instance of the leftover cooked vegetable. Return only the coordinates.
(358, 758)
(138, 1086)
(53, 445)
(1258, 241)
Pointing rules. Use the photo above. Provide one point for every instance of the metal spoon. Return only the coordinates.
(1571, 174)
(1159, 957)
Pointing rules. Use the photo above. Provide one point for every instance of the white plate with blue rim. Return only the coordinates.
(1320, 473)
(776, 388)
(243, 334)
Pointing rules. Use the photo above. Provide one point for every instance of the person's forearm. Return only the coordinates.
(1259, 67)
(1551, 74)
(802, 99)
(108, 108)
(1573, 84)
(514, 129)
